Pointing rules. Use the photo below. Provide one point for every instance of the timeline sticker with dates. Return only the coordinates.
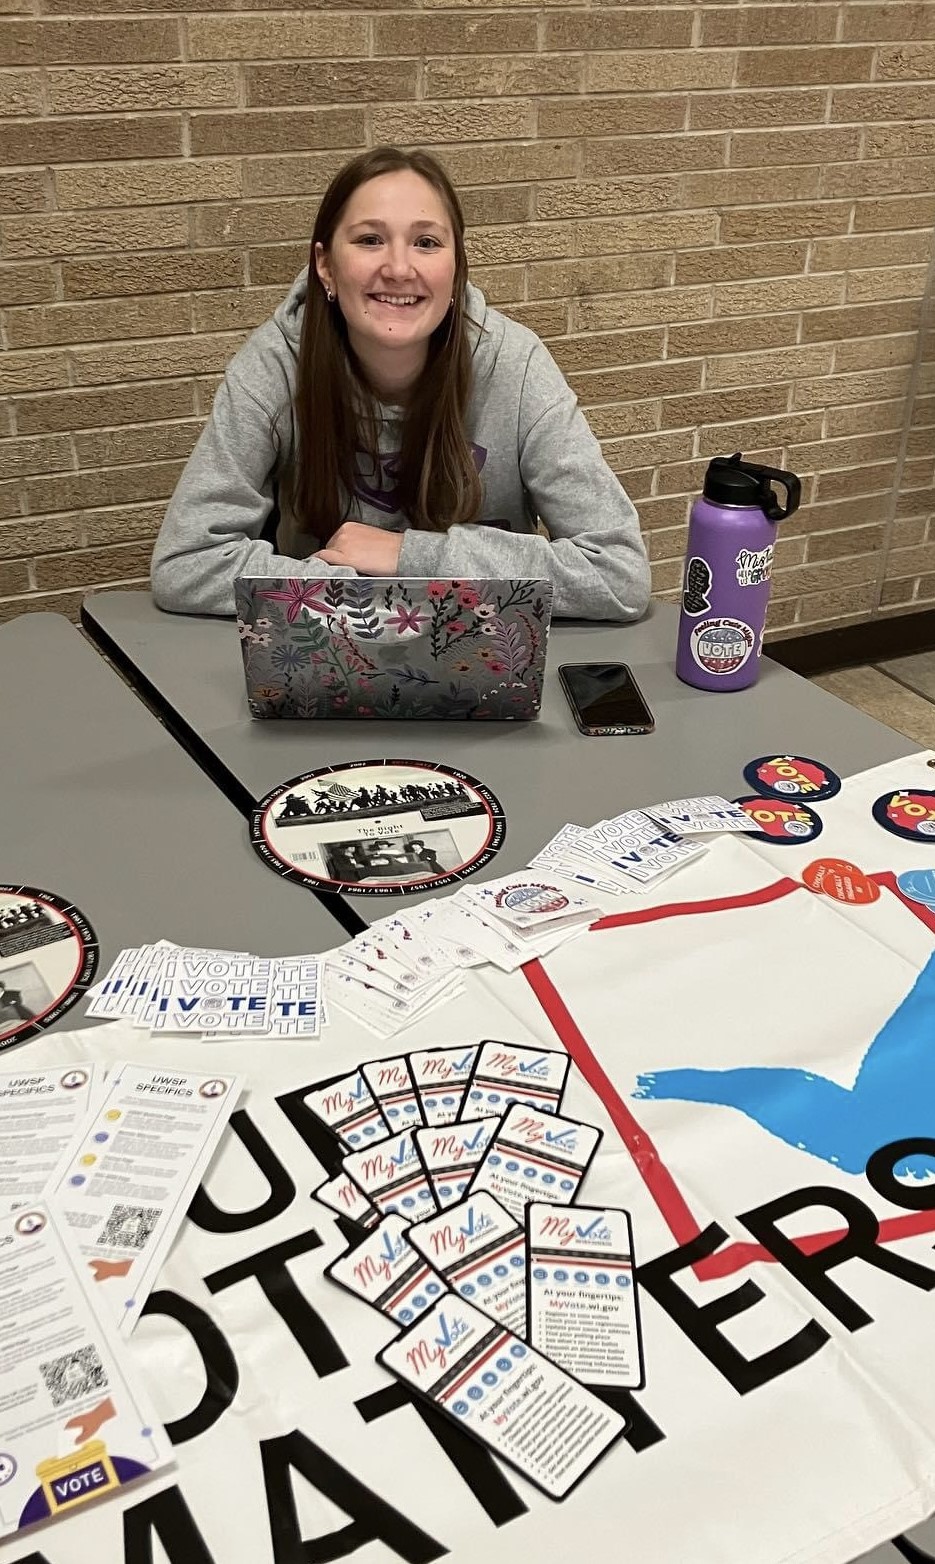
(379, 827)
(909, 813)
(780, 820)
(48, 958)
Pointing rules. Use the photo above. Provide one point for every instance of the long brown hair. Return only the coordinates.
(437, 478)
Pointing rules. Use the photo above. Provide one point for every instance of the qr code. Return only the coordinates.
(73, 1375)
(129, 1227)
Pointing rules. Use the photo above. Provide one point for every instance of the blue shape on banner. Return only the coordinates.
(893, 1097)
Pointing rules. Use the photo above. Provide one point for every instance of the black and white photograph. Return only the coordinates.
(392, 857)
(23, 995)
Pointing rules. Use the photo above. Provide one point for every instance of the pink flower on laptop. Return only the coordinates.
(468, 597)
(437, 590)
(407, 619)
(300, 595)
(456, 627)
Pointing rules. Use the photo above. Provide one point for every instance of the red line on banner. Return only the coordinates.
(661, 1185)
(678, 909)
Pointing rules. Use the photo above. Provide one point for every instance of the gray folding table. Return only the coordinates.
(102, 808)
(544, 773)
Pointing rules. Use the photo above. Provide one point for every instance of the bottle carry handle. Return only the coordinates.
(768, 500)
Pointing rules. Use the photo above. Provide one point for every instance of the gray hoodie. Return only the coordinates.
(536, 455)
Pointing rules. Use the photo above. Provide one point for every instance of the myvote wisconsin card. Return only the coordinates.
(506, 1072)
(535, 1156)
(450, 1153)
(480, 1250)
(388, 1273)
(582, 1306)
(528, 1411)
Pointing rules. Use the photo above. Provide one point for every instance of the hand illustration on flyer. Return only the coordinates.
(74, 1426)
(379, 827)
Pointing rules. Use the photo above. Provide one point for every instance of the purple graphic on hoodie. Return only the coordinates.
(380, 488)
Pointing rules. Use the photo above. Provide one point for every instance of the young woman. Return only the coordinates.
(386, 422)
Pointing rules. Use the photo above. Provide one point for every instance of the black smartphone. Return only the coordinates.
(605, 698)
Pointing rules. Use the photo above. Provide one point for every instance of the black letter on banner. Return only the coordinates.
(321, 1142)
(641, 1432)
(470, 1460)
(306, 1325)
(221, 1373)
(700, 1321)
(901, 1544)
(169, 1517)
(373, 1519)
(205, 1214)
(880, 1175)
(859, 1242)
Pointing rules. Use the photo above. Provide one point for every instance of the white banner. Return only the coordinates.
(746, 1046)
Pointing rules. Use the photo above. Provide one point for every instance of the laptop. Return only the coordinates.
(393, 647)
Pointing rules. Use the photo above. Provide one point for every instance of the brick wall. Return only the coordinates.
(720, 216)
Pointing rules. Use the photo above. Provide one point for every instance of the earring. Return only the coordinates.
(329, 295)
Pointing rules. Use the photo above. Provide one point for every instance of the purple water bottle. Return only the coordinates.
(728, 565)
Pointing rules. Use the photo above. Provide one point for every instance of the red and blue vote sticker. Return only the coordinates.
(908, 812)
(780, 820)
(792, 776)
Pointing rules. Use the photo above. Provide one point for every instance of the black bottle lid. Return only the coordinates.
(730, 480)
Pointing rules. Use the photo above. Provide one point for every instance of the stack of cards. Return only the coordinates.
(634, 851)
(459, 1172)
(405, 965)
(171, 988)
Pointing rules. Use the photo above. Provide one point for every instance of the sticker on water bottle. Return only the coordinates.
(754, 566)
(721, 646)
(697, 587)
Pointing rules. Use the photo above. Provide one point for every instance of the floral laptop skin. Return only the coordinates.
(378, 647)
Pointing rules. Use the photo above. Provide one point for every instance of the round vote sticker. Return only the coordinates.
(48, 958)
(842, 881)
(909, 813)
(792, 776)
(918, 885)
(379, 827)
(780, 820)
